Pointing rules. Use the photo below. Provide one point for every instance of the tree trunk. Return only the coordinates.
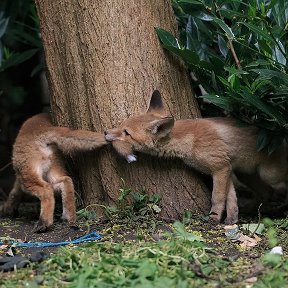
(104, 61)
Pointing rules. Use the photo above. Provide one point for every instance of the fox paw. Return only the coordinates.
(231, 220)
(7, 211)
(41, 227)
(214, 218)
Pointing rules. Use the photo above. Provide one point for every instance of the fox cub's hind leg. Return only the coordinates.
(57, 176)
(34, 183)
(10, 207)
(231, 205)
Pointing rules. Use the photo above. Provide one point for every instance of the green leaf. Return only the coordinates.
(254, 228)
(18, 58)
(37, 69)
(256, 102)
(269, 74)
(222, 44)
(230, 14)
(204, 16)
(272, 259)
(219, 101)
(146, 269)
(264, 34)
(224, 27)
(181, 233)
(191, 2)
(278, 55)
(167, 38)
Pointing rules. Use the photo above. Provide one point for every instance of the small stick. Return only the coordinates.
(234, 54)
(6, 166)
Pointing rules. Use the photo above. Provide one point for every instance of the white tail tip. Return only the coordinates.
(131, 158)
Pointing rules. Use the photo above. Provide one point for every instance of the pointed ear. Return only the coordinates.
(155, 102)
(162, 127)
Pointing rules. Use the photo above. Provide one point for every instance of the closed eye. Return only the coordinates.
(126, 133)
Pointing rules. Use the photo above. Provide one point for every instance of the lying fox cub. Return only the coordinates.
(214, 146)
(39, 166)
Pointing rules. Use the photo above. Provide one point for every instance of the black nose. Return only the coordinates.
(105, 132)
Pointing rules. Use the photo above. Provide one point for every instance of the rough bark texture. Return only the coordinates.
(104, 61)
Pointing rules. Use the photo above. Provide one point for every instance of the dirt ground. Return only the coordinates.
(21, 229)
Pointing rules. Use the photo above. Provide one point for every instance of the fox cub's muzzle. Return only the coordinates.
(110, 135)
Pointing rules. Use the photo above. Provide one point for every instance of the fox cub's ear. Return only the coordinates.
(162, 127)
(155, 102)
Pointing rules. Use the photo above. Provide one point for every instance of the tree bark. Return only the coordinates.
(104, 61)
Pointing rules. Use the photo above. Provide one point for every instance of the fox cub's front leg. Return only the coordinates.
(224, 194)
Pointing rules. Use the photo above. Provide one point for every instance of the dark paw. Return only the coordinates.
(214, 218)
(231, 220)
(6, 211)
(74, 227)
(40, 227)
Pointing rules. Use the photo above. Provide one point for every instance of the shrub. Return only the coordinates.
(237, 51)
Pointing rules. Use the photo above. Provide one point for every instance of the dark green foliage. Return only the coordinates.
(238, 52)
(19, 33)
(20, 61)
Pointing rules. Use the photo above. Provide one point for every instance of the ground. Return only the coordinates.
(137, 249)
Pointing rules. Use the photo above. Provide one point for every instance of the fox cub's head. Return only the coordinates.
(140, 133)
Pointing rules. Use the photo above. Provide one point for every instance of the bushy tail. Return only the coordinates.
(71, 141)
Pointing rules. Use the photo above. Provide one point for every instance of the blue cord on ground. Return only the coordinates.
(88, 237)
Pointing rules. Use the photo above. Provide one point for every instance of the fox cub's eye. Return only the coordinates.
(126, 133)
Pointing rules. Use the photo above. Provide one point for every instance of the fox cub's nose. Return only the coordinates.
(108, 135)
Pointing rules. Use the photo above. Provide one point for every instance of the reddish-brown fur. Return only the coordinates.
(215, 146)
(40, 169)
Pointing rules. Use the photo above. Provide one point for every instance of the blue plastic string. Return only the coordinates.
(88, 237)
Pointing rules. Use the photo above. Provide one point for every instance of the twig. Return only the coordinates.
(259, 219)
(234, 54)
(6, 166)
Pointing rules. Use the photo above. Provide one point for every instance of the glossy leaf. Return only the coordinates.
(278, 53)
(224, 27)
(167, 38)
(222, 44)
(219, 101)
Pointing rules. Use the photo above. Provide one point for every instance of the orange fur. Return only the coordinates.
(40, 169)
(214, 146)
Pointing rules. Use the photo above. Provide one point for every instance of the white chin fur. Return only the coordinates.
(131, 158)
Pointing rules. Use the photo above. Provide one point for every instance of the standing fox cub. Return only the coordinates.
(40, 170)
(213, 146)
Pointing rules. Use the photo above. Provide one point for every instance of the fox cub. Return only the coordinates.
(214, 146)
(40, 170)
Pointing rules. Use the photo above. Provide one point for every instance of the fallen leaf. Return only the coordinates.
(232, 233)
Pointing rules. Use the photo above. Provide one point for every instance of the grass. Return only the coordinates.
(137, 250)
